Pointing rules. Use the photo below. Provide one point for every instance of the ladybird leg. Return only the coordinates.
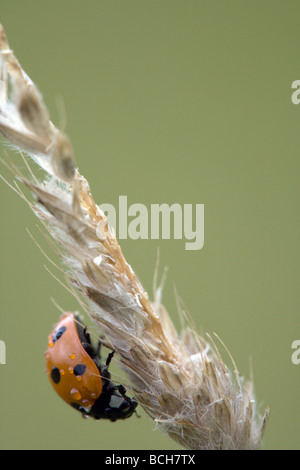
(109, 358)
(99, 348)
(84, 414)
(104, 343)
(104, 369)
(120, 388)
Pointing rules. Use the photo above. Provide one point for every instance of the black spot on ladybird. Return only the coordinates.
(79, 369)
(58, 333)
(55, 375)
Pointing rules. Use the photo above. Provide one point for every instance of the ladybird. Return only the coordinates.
(76, 373)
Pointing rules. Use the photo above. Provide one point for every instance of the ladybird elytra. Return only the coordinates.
(64, 347)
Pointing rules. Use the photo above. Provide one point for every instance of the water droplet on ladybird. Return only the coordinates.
(72, 356)
(75, 394)
(86, 402)
(71, 370)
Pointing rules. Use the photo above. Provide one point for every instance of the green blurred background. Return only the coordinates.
(166, 101)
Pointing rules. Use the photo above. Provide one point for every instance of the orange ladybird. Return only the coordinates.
(75, 371)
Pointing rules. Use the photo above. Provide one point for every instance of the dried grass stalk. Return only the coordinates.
(180, 380)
